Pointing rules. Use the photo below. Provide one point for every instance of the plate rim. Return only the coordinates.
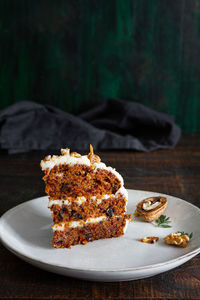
(133, 269)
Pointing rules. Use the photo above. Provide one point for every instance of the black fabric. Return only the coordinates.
(114, 124)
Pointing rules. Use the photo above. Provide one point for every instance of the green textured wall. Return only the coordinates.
(76, 53)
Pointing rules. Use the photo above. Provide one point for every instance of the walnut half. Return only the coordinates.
(151, 208)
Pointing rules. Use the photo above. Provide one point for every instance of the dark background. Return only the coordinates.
(76, 53)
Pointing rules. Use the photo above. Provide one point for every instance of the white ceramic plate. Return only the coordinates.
(26, 231)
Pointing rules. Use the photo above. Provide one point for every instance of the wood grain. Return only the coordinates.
(175, 172)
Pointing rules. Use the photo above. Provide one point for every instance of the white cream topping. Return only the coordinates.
(67, 159)
(68, 201)
(81, 200)
(123, 192)
(64, 159)
(74, 224)
(149, 206)
(126, 226)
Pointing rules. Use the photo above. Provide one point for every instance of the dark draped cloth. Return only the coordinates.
(112, 125)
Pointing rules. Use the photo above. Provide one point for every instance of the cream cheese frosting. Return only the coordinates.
(81, 200)
(64, 159)
(68, 201)
(126, 226)
(74, 224)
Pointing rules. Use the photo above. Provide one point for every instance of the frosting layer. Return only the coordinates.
(81, 200)
(51, 161)
(74, 224)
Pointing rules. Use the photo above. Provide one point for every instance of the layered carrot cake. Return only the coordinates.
(87, 199)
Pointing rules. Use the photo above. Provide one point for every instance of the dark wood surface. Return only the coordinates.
(175, 172)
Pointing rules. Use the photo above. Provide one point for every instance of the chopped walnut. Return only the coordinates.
(150, 239)
(75, 154)
(65, 151)
(48, 157)
(93, 157)
(54, 157)
(177, 239)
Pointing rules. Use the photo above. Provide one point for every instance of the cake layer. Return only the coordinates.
(65, 181)
(82, 208)
(72, 159)
(80, 200)
(79, 232)
(115, 205)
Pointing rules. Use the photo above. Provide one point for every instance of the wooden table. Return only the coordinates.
(175, 172)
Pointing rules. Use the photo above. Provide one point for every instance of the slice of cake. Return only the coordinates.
(87, 199)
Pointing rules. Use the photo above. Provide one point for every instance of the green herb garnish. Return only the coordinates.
(185, 233)
(163, 222)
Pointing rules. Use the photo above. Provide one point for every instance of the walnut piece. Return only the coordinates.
(150, 239)
(93, 157)
(177, 239)
(75, 154)
(54, 158)
(48, 157)
(65, 151)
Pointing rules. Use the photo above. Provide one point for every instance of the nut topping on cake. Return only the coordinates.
(48, 157)
(54, 157)
(75, 154)
(65, 151)
(151, 208)
(93, 157)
